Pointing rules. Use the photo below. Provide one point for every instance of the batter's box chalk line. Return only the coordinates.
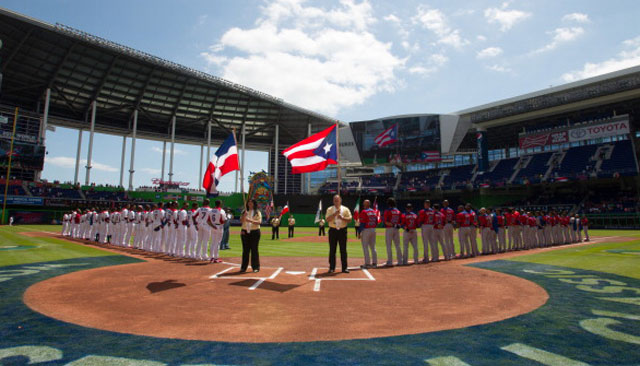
(312, 277)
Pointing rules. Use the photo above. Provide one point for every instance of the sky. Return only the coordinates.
(348, 59)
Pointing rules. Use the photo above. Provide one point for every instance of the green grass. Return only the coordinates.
(593, 257)
(40, 249)
(617, 258)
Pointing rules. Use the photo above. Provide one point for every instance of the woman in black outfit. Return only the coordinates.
(250, 235)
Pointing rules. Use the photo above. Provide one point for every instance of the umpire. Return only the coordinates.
(338, 217)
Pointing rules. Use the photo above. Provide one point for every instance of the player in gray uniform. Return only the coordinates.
(393, 222)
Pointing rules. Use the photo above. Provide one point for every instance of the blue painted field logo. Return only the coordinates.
(604, 320)
(9, 274)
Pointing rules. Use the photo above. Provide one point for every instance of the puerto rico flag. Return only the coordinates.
(431, 156)
(562, 179)
(313, 153)
(224, 161)
(388, 136)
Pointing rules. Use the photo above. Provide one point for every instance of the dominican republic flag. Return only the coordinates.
(375, 208)
(285, 210)
(224, 161)
(388, 136)
(313, 153)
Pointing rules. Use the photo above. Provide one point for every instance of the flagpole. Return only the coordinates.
(338, 151)
(244, 199)
(6, 185)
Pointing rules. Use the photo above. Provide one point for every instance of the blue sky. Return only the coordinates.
(350, 59)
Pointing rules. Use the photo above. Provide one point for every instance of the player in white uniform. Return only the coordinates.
(157, 225)
(181, 234)
(114, 225)
(192, 232)
(65, 225)
(169, 230)
(216, 220)
(204, 231)
(103, 226)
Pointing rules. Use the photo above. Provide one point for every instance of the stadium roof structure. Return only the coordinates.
(80, 68)
(603, 89)
(507, 115)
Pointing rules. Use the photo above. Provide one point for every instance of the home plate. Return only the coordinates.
(295, 273)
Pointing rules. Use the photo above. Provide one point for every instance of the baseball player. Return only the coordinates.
(483, 224)
(192, 232)
(449, 216)
(463, 223)
(369, 221)
(473, 228)
(204, 230)
(157, 225)
(438, 233)
(115, 227)
(215, 220)
(65, 224)
(585, 226)
(103, 230)
(410, 223)
(181, 231)
(426, 217)
(502, 235)
(392, 221)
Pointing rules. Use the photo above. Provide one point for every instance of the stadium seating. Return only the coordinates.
(500, 174)
(621, 161)
(419, 181)
(534, 171)
(379, 183)
(458, 178)
(577, 161)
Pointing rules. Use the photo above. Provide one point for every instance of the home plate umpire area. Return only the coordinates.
(289, 300)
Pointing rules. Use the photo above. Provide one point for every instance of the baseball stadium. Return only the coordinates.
(502, 234)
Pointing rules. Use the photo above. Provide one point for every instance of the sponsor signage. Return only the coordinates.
(611, 128)
(23, 200)
(543, 139)
(599, 131)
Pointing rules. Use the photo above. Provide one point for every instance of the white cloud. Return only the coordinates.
(629, 57)
(151, 171)
(481, 38)
(158, 150)
(576, 17)
(499, 68)
(69, 162)
(319, 58)
(435, 21)
(392, 18)
(434, 63)
(489, 52)
(504, 17)
(560, 36)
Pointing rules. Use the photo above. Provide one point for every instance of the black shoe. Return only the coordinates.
(332, 270)
(243, 271)
(345, 270)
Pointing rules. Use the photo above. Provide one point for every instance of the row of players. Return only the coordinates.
(499, 231)
(180, 232)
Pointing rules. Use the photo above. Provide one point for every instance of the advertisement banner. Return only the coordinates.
(599, 131)
(543, 139)
(23, 200)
